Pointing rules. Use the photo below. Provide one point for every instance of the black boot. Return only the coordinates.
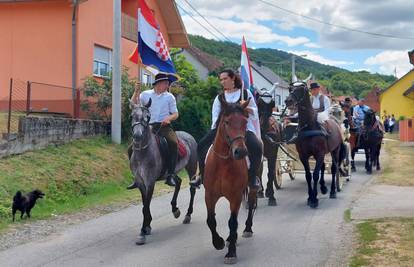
(170, 180)
(197, 182)
(254, 182)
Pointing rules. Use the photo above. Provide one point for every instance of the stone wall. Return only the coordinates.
(39, 132)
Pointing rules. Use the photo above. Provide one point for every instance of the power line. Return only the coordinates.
(217, 30)
(191, 16)
(336, 25)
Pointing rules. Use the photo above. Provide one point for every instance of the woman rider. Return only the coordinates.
(232, 83)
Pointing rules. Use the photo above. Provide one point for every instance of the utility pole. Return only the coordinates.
(294, 78)
(116, 75)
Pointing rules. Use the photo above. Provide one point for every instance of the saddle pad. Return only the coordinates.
(182, 150)
(210, 148)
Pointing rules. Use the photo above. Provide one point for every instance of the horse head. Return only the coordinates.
(298, 92)
(140, 123)
(369, 118)
(265, 101)
(233, 125)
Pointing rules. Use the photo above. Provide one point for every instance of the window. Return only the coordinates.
(147, 77)
(102, 61)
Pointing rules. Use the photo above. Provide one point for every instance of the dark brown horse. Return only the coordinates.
(312, 143)
(354, 142)
(225, 174)
(371, 139)
(271, 132)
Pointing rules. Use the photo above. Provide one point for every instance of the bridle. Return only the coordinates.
(145, 123)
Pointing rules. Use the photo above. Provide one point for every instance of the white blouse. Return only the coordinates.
(253, 123)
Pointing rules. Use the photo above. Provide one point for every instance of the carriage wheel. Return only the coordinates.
(291, 169)
(278, 172)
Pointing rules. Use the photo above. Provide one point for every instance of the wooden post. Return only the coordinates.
(10, 107)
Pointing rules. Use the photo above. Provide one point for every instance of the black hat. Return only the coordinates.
(165, 77)
(314, 85)
(348, 99)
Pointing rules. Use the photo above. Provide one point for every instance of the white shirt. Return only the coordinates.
(253, 124)
(316, 104)
(162, 105)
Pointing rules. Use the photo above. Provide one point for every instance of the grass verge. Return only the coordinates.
(347, 215)
(82, 174)
(397, 168)
(385, 242)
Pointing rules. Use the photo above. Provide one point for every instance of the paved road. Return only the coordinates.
(290, 234)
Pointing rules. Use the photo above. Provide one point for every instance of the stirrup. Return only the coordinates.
(170, 180)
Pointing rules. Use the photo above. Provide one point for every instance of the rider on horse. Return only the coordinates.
(163, 111)
(321, 105)
(359, 113)
(232, 85)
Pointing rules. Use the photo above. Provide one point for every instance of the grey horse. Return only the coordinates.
(146, 165)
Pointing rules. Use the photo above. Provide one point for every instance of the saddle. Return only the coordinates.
(165, 153)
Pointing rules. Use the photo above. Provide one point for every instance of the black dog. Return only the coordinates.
(25, 203)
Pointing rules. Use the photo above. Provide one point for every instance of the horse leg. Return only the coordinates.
(308, 175)
(187, 218)
(353, 151)
(211, 201)
(175, 210)
(271, 176)
(377, 157)
(248, 232)
(314, 200)
(324, 189)
(260, 191)
(146, 195)
(368, 166)
(231, 256)
(334, 171)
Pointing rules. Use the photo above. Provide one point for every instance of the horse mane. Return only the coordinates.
(230, 108)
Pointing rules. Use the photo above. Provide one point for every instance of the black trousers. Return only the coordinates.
(254, 148)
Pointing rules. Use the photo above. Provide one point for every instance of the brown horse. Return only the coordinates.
(311, 142)
(226, 174)
(271, 131)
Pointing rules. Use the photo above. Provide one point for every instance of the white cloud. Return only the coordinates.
(381, 16)
(318, 58)
(253, 31)
(387, 61)
(312, 45)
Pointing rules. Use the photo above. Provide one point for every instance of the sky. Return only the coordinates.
(266, 26)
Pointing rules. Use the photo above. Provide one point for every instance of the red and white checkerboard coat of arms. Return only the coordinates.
(161, 47)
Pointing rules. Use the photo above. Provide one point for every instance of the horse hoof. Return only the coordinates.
(187, 219)
(247, 234)
(314, 204)
(332, 195)
(218, 243)
(260, 194)
(353, 169)
(324, 190)
(177, 213)
(230, 260)
(347, 179)
(369, 172)
(272, 202)
(308, 203)
(141, 240)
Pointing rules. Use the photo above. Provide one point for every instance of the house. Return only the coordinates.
(201, 61)
(398, 98)
(372, 99)
(264, 77)
(58, 43)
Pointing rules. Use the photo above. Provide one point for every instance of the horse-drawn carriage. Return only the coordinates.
(286, 156)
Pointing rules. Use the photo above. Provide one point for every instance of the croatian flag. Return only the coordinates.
(246, 70)
(152, 48)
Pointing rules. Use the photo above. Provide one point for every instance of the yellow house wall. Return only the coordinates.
(393, 101)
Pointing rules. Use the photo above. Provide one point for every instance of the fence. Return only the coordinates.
(34, 98)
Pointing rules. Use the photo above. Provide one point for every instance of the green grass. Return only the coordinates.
(385, 242)
(347, 215)
(83, 174)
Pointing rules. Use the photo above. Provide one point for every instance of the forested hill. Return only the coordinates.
(337, 80)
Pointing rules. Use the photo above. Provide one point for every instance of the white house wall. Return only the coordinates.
(201, 69)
